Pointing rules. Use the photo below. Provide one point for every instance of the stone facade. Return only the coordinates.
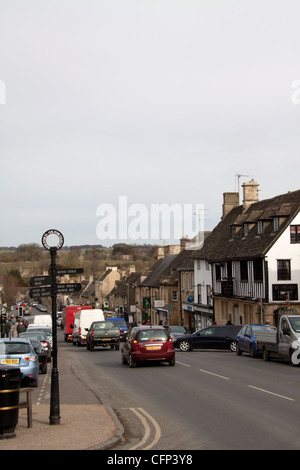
(105, 284)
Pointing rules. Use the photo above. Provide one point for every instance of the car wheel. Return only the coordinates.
(266, 355)
(172, 362)
(92, 347)
(185, 346)
(123, 359)
(44, 368)
(294, 358)
(251, 351)
(117, 347)
(132, 364)
(232, 346)
(238, 350)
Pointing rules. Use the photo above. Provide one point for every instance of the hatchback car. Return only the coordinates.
(246, 339)
(176, 331)
(45, 329)
(213, 337)
(41, 308)
(19, 352)
(148, 343)
(41, 354)
(40, 336)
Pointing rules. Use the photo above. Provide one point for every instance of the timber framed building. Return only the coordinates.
(254, 253)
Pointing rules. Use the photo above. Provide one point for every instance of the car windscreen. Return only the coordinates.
(14, 347)
(102, 325)
(178, 329)
(47, 331)
(295, 322)
(152, 335)
(119, 323)
(37, 346)
(39, 336)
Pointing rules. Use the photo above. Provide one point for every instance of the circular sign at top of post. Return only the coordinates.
(52, 232)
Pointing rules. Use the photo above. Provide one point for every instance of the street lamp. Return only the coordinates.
(54, 403)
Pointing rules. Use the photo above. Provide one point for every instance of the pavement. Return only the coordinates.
(81, 427)
(84, 424)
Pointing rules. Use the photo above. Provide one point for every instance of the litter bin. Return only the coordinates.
(10, 381)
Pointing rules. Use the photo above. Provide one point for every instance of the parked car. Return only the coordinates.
(212, 337)
(40, 336)
(19, 352)
(41, 354)
(177, 331)
(148, 343)
(246, 339)
(45, 329)
(41, 308)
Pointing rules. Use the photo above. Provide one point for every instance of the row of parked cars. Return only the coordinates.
(266, 341)
(158, 343)
(30, 352)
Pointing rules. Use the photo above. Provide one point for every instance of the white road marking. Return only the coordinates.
(216, 375)
(271, 393)
(183, 364)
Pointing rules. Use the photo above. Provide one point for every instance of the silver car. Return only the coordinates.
(19, 352)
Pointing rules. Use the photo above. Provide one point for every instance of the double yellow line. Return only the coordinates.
(145, 417)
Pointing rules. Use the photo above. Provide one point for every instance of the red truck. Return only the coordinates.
(68, 315)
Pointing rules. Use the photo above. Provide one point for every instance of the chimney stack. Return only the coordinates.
(230, 200)
(250, 193)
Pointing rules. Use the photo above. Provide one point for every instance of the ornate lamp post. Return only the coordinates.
(54, 402)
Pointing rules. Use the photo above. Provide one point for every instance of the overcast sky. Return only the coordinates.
(161, 101)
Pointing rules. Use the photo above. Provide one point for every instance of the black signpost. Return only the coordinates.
(40, 281)
(37, 292)
(43, 286)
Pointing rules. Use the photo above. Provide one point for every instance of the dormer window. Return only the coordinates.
(260, 227)
(246, 230)
(276, 224)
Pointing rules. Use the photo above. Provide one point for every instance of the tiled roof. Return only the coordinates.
(222, 245)
(160, 268)
(169, 267)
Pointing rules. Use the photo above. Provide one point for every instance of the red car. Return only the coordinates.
(148, 343)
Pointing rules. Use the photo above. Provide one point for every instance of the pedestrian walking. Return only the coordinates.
(7, 329)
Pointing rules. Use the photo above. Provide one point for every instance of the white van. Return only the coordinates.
(42, 320)
(82, 322)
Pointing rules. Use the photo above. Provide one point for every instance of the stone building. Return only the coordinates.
(254, 257)
(104, 285)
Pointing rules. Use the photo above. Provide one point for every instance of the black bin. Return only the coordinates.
(10, 381)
